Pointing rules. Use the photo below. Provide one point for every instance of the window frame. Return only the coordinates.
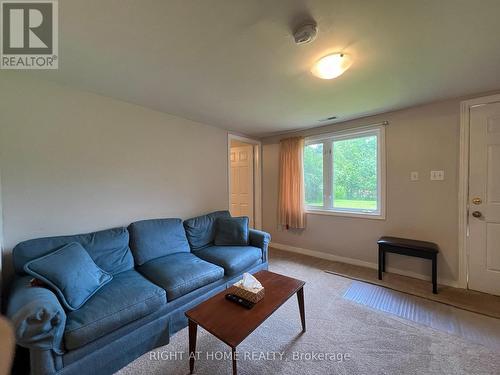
(328, 199)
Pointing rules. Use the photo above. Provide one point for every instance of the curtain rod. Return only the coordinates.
(384, 123)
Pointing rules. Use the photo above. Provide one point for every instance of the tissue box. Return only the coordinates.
(252, 295)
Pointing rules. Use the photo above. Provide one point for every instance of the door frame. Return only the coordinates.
(463, 185)
(257, 174)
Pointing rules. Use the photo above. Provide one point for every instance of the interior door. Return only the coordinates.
(242, 182)
(484, 199)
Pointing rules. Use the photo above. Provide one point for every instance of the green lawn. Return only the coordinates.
(346, 203)
(349, 203)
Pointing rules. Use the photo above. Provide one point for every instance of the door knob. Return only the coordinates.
(477, 214)
(477, 200)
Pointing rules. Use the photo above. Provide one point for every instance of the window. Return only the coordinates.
(344, 173)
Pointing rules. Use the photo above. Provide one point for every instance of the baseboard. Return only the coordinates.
(358, 262)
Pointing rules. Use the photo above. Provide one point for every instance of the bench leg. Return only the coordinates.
(381, 259)
(434, 274)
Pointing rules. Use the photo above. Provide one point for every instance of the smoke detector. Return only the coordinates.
(305, 33)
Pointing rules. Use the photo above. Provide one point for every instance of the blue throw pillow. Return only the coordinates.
(232, 231)
(200, 230)
(71, 273)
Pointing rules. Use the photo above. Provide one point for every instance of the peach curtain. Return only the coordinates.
(291, 184)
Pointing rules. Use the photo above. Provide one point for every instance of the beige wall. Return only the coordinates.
(1, 236)
(74, 162)
(417, 139)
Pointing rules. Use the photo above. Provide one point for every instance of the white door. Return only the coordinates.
(484, 199)
(242, 182)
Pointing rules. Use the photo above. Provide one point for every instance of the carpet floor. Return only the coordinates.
(470, 300)
(473, 327)
(343, 337)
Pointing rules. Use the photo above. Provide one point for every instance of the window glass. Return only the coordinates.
(313, 174)
(355, 173)
(343, 173)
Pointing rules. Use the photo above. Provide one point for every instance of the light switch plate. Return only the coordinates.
(413, 176)
(437, 175)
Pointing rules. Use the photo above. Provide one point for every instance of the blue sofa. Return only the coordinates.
(161, 268)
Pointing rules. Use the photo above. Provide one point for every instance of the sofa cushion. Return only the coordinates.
(231, 231)
(180, 273)
(128, 297)
(200, 231)
(150, 239)
(108, 248)
(71, 273)
(233, 259)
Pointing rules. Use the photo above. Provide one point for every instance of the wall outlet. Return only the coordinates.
(413, 176)
(437, 175)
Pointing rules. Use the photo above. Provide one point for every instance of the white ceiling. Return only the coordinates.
(233, 63)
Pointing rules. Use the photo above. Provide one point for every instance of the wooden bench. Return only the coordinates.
(414, 248)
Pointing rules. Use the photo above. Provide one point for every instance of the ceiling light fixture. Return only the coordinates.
(331, 66)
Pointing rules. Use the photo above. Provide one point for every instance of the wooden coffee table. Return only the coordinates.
(232, 323)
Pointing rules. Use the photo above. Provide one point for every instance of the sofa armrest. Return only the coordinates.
(260, 239)
(37, 316)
